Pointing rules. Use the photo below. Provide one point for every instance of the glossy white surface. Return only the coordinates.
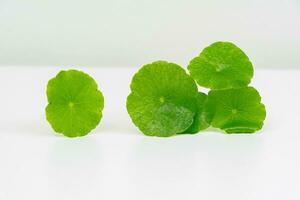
(117, 162)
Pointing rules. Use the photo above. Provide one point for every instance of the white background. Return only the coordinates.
(135, 32)
(116, 161)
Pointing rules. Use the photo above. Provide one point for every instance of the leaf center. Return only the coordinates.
(71, 104)
(220, 67)
(162, 99)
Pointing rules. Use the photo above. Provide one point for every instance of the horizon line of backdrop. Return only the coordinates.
(136, 32)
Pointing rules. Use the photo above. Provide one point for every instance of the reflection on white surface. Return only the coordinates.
(74, 169)
(203, 164)
(160, 167)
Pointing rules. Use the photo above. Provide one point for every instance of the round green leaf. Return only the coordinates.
(235, 110)
(221, 65)
(74, 103)
(162, 100)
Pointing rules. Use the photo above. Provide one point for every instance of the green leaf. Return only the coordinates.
(162, 100)
(74, 103)
(221, 65)
(199, 119)
(235, 110)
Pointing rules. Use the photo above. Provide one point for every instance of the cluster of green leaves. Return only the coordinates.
(165, 100)
(74, 103)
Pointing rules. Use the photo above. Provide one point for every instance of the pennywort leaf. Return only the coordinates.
(221, 65)
(163, 99)
(235, 110)
(75, 103)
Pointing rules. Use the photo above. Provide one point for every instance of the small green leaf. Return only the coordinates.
(199, 119)
(235, 110)
(74, 103)
(221, 65)
(163, 99)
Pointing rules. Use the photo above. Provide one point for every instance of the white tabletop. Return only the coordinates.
(117, 162)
